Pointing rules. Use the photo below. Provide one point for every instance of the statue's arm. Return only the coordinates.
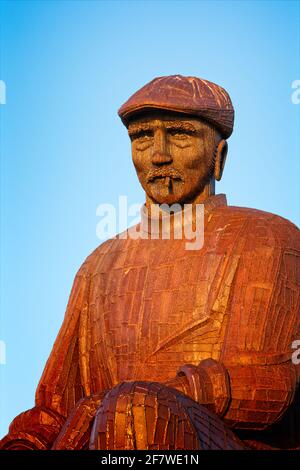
(60, 386)
(245, 396)
(263, 323)
(255, 380)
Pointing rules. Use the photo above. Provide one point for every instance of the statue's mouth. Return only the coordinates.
(165, 177)
(163, 174)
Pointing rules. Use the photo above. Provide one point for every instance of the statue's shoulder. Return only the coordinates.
(265, 226)
(95, 257)
(101, 256)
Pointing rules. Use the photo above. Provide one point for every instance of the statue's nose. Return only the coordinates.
(160, 155)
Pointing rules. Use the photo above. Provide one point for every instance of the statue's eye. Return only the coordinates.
(141, 136)
(179, 134)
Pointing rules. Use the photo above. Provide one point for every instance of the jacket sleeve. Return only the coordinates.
(254, 382)
(60, 386)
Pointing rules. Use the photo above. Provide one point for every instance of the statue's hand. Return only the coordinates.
(208, 384)
(75, 433)
(180, 383)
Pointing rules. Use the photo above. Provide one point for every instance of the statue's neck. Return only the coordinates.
(209, 190)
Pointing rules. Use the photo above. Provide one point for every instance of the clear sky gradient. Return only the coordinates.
(68, 66)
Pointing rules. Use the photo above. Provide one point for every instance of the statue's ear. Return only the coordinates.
(221, 154)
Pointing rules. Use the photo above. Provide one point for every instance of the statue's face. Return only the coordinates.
(173, 156)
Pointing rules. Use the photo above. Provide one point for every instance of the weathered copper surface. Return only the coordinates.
(168, 348)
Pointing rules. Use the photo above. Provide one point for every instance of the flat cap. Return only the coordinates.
(188, 95)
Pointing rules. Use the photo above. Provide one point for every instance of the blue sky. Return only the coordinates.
(68, 66)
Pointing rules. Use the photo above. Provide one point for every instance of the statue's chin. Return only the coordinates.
(180, 197)
(179, 192)
(166, 198)
(161, 194)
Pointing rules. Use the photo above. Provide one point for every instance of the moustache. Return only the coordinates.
(163, 173)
